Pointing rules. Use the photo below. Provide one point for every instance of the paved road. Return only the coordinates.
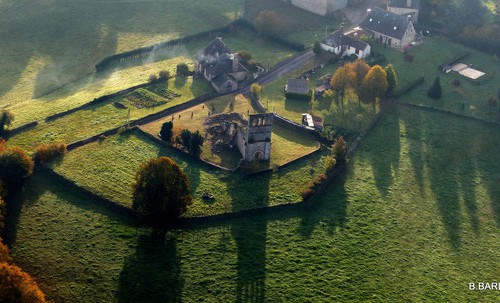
(281, 68)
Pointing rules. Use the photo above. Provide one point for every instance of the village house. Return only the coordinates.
(405, 8)
(344, 45)
(389, 28)
(319, 7)
(218, 65)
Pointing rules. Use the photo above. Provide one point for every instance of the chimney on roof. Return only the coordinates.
(368, 11)
(236, 61)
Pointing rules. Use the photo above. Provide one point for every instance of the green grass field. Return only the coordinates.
(101, 117)
(108, 168)
(286, 144)
(39, 54)
(415, 219)
(428, 56)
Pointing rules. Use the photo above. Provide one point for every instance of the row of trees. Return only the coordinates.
(192, 141)
(369, 84)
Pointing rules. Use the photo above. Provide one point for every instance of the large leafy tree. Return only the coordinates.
(374, 85)
(343, 79)
(15, 166)
(166, 131)
(161, 192)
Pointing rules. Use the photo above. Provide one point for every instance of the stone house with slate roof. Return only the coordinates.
(344, 45)
(389, 28)
(220, 67)
(405, 8)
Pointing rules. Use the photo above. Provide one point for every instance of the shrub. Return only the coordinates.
(330, 165)
(122, 130)
(307, 194)
(317, 48)
(163, 75)
(435, 91)
(166, 131)
(339, 150)
(153, 78)
(6, 119)
(17, 286)
(182, 69)
(4, 253)
(408, 57)
(15, 166)
(46, 152)
(255, 90)
(245, 55)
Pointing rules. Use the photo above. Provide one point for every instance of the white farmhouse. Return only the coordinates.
(344, 45)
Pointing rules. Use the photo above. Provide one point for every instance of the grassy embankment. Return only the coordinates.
(416, 219)
(286, 144)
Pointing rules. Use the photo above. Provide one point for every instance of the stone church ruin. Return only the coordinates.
(252, 137)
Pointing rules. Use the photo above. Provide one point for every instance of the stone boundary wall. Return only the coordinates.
(144, 120)
(168, 45)
(412, 85)
(101, 99)
(444, 111)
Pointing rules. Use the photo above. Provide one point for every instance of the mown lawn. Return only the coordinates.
(108, 168)
(101, 117)
(472, 95)
(416, 219)
(286, 144)
(39, 54)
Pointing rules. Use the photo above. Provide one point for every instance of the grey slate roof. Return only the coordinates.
(404, 3)
(216, 48)
(337, 39)
(386, 23)
(221, 79)
(297, 86)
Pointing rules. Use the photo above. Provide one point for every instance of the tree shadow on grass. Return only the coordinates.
(333, 210)
(180, 81)
(385, 157)
(250, 237)
(153, 273)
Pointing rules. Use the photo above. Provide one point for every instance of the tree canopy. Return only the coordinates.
(166, 131)
(374, 84)
(268, 23)
(17, 286)
(15, 166)
(161, 192)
